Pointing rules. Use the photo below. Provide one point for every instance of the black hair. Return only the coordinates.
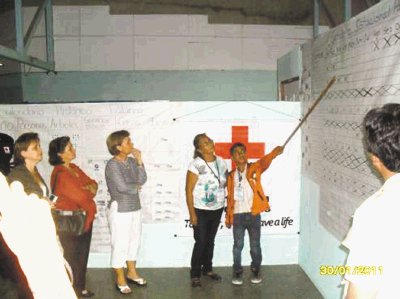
(196, 143)
(57, 146)
(235, 145)
(382, 135)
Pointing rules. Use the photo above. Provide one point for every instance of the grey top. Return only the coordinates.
(123, 181)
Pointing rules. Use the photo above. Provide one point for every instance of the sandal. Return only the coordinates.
(213, 275)
(86, 294)
(138, 281)
(196, 283)
(124, 290)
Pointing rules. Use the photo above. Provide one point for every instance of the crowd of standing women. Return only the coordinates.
(71, 190)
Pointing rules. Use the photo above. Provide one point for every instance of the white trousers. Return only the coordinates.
(126, 231)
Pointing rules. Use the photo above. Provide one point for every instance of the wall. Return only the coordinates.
(11, 88)
(290, 65)
(317, 247)
(100, 57)
(164, 132)
(336, 175)
(88, 39)
(232, 85)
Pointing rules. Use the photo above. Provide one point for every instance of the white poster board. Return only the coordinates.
(164, 132)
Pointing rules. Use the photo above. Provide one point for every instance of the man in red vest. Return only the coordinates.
(246, 200)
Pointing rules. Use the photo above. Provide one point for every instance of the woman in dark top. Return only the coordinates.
(74, 191)
(27, 154)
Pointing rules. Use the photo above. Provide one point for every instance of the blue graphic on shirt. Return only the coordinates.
(206, 193)
(210, 191)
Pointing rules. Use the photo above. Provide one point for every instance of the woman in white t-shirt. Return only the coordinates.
(205, 198)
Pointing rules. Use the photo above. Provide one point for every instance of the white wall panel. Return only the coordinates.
(66, 20)
(215, 53)
(165, 42)
(165, 25)
(67, 53)
(107, 53)
(165, 53)
(96, 20)
(198, 26)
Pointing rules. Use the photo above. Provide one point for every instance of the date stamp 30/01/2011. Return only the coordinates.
(350, 270)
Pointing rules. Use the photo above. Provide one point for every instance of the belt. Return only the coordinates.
(69, 213)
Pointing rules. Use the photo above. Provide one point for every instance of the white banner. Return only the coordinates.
(164, 132)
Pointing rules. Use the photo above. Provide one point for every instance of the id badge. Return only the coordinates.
(221, 195)
(239, 193)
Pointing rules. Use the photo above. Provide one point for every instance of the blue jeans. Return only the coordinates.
(241, 222)
(204, 233)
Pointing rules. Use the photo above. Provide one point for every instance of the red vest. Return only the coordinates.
(253, 175)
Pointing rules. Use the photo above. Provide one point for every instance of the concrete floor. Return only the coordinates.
(279, 282)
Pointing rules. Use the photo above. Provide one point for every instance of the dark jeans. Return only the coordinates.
(241, 222)
(204, 235)
(76, 252)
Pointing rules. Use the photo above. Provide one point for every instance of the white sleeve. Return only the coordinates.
(223, 162)
(194, 167)
(365, 251)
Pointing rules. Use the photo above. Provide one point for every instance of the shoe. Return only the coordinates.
(86, 294)
(137, 281)
(237, 279)
(124, 290)
(213, 275)
(196, 283)
(256, 278)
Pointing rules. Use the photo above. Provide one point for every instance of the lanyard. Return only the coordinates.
(216, 165)
(240, 176)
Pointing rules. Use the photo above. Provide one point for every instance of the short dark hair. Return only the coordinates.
(114, 140)
(57, 146)
(21, 144)
(235, 145)
(382, 135)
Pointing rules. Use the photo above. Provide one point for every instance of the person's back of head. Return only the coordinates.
(382, 135)
(6, 152)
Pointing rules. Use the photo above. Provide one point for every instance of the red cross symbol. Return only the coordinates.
(255, 150)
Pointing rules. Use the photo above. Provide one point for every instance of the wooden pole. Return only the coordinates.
(322, 94)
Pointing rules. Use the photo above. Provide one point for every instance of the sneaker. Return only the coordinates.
(237, 279)
(256, 278)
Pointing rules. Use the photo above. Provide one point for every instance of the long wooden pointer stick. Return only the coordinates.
(322, 94)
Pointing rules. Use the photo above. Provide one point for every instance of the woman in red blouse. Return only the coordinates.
(75, 191)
